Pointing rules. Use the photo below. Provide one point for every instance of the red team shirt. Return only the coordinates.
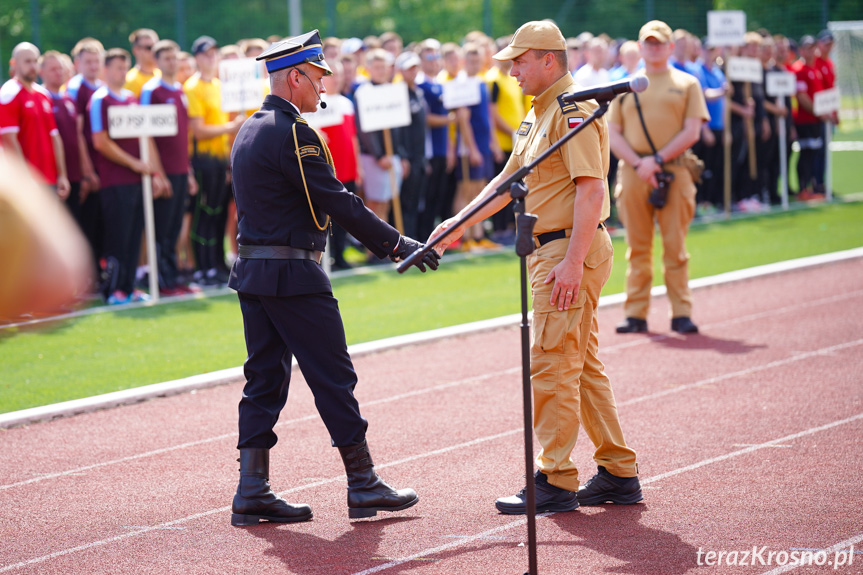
(112, 174)
(29, 115)
(809, 80)
(173, 150)
(339, 136)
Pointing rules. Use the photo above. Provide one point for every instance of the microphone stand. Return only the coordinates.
(524, 246)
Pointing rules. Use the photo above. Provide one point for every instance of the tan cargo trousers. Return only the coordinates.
(638, 216)
(569, 381)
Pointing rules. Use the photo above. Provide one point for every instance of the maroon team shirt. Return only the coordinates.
(173, 150)
(80, 91)
(66, 117)
(28, 115)
(110, 173)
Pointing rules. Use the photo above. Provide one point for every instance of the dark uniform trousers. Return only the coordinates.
(285, 186)
(123, 212)
(316, 337)
(168, 220)
(211, 212)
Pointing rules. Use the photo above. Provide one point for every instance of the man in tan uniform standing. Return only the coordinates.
(569, 194)
(673, 109)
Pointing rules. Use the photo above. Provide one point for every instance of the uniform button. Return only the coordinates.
(313, 245)
(386, 244)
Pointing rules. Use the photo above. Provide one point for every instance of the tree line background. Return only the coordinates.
(58, 24)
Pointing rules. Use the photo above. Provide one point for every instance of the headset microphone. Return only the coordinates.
(323, 104)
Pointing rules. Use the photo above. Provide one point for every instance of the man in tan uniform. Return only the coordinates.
(673, 108)
(569, 193)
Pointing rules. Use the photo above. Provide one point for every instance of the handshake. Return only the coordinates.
(407, 246)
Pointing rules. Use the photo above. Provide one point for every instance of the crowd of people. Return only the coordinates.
(436, 165)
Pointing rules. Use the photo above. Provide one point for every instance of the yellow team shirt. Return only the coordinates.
(671, 97)
(135, 80)
(510, 103)
(205, 101)
(551, 183)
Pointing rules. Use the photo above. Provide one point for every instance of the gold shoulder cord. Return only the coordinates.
(329, 159)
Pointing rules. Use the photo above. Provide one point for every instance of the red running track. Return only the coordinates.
(747, 435)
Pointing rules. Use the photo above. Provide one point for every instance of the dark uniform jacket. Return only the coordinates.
(273, 208)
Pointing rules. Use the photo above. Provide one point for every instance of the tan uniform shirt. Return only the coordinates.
(551, 184)
(671, 97)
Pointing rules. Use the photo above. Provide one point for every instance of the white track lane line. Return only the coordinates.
(189, 444)
(647, 481)
(468, 539)
(829, 551)
(750, 317)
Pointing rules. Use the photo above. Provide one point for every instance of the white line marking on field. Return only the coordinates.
(830, 551)
(750, 370)
(647, 481)
(389, 399)
(211, 379)
(467, 539)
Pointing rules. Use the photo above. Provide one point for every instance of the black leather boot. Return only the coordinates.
(255, 501)
(367, 493)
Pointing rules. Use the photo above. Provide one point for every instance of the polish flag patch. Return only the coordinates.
(574, 121)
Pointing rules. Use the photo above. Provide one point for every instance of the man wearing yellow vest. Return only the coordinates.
(142, 41)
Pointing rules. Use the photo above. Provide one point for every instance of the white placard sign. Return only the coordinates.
(243, 84)
(383, 106)
(826, 102)
(726, 27)
(137, 121)
(461, 93)
(781, 84)
(744, 70)
(332, 115)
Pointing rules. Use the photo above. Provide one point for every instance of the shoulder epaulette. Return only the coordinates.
(566, 107)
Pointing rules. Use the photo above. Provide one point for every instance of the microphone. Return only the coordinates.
(609, 91)
(323, 104)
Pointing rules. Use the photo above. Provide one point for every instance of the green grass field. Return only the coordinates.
(116, 350)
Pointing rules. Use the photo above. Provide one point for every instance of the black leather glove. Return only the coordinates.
(407, 246)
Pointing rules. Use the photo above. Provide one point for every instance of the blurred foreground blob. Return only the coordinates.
(45, 263)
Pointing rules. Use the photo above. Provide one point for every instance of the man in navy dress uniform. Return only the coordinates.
(286, 192)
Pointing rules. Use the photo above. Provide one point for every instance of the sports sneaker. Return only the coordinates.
(117, 298)
(548, 498)
(607, 488)
(139, 296)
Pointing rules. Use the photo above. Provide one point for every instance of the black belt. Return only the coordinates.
(278, 253)
(543, 239)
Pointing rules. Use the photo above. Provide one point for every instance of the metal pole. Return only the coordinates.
(528, 424)
(486, 17)
(783, 150)
(331, 18)
(828, 162)
(649, 9)
(34, 23)
(181, 22)
(149, 222)
(295, 17)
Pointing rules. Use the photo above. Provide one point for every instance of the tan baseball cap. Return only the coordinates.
(533, 36)
(656, 29)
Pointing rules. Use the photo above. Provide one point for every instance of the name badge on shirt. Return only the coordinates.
(524, 128)
(309, 151)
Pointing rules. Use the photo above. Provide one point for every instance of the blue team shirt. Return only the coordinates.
(433, 94)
